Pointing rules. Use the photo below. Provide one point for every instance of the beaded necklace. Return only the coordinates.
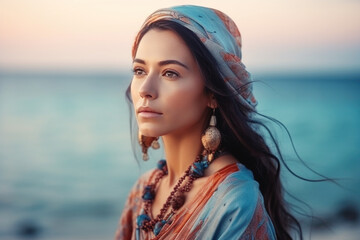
(177, 197)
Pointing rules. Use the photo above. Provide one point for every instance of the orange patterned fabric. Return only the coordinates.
(229, 206)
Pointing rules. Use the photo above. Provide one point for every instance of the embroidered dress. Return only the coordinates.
(229, 206)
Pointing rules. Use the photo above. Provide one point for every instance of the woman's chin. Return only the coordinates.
(150, 132)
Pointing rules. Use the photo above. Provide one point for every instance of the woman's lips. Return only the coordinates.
(147, 112)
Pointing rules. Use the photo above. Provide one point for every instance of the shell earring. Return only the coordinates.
(145, 142)
(211, 138)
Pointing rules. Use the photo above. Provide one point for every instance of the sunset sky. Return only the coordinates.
(90, 35)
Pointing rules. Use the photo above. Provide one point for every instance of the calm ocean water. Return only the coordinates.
(66, 163)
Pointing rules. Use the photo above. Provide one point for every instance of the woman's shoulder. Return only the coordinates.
(234, 206)
(239, 189)
(237, 179)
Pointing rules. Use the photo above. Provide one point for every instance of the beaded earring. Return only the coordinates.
(145, 142)
(211, 138)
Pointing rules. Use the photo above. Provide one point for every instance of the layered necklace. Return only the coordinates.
(177, 197)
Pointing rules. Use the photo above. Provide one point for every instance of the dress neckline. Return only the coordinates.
(211, 184)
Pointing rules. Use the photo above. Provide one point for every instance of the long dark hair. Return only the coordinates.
(240, 131)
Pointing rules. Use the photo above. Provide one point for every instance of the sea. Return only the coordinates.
(67, 163)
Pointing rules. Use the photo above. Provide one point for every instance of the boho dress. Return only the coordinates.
(229, 206)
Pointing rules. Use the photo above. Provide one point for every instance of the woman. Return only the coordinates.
(220, 179)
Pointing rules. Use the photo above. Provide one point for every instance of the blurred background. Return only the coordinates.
(66, 162)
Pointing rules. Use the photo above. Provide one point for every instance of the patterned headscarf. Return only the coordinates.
(220, 36)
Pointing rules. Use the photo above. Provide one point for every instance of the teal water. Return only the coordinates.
(66, 163)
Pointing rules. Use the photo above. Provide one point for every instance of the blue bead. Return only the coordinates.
(158, 226)
(148, 193)
(205, 163)
(141, 219)
(198, 168)
(161, 164)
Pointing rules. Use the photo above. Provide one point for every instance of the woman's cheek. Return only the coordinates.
(184, 103)
(178, 99)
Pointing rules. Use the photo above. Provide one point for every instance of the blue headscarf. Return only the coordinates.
(221, 37)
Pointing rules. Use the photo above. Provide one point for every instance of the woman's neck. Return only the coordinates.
(181, 151)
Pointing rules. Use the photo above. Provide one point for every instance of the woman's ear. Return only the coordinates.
(212, 101)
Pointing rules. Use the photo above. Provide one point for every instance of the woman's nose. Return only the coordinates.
(148, 89)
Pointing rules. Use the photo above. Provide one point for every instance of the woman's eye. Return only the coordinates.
(171, 74)
(138, 71)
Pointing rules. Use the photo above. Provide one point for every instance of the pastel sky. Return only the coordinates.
(89, 35)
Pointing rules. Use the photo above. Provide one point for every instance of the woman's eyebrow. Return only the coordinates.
(139, 61)
(165, 62)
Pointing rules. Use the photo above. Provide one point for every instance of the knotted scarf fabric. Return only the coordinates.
(221, 37)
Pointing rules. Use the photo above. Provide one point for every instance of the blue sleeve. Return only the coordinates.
(235, 211)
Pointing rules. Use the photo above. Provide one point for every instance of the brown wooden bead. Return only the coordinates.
(178, 201)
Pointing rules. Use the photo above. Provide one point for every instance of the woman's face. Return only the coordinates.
(167, 88)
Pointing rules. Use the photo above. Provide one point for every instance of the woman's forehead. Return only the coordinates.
(163, 45)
